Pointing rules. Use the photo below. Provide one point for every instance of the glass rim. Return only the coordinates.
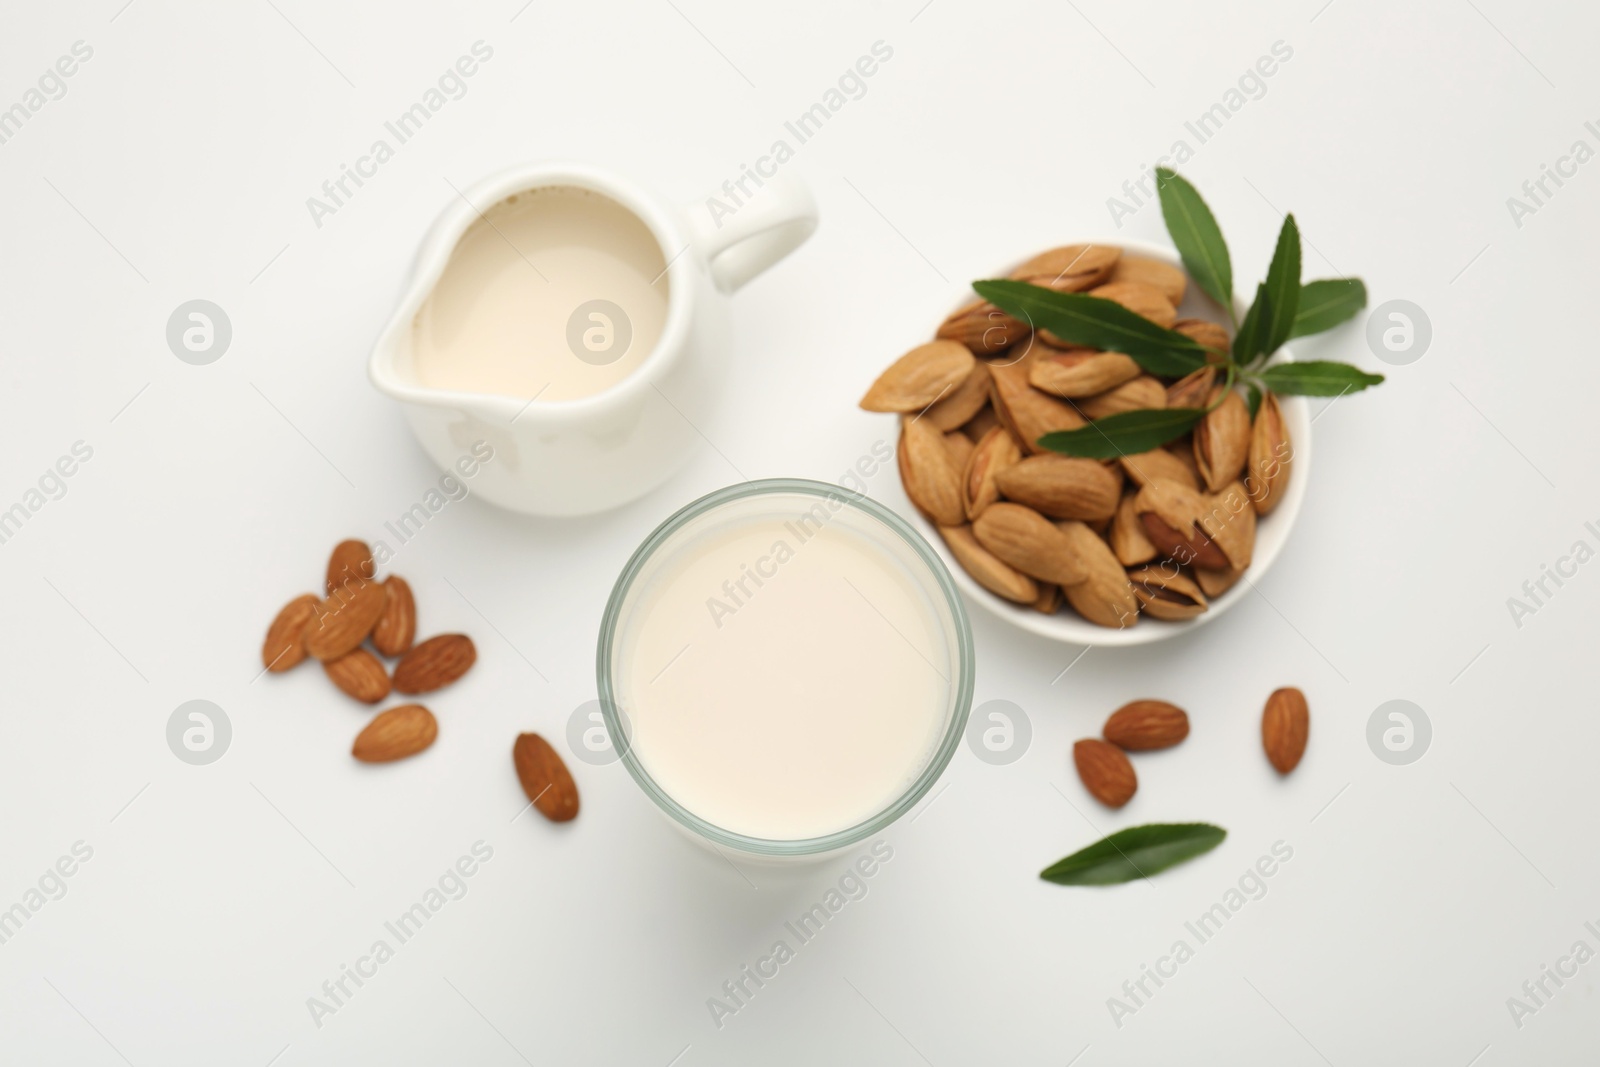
(961, 690)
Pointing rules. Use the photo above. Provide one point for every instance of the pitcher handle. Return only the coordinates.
(741, 236)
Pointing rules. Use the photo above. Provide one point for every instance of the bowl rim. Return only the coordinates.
(961, 688)
(1069, 628)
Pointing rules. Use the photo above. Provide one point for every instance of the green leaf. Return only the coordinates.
(1080, 319)
(1198, 237)
(1252, 396)
(1248, 342)
(1137, 852)
(1126, 433)
(1317, 378)
(1283, 287)
(1325, 304)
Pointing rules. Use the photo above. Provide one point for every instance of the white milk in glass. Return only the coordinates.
(785, 672)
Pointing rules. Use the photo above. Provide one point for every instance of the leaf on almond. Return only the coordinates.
(1094, 322)
(1125, 434)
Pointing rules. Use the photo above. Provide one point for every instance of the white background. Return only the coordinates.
(219, 898)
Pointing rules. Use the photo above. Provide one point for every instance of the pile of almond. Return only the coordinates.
(1157, 533)
(336, 629)
(1147, 725)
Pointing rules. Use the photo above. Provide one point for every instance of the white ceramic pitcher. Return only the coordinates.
(575, 457)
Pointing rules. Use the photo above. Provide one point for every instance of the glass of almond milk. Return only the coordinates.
(788, 667)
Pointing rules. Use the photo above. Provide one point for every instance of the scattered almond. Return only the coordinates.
(344, 619)
(395, 734)
(351, 560)
(545, 778)
(360, 674)
(434, 663)
(285, 645)
(1145, 725)
(1105, 772)
(396, 628)
(1285, 726)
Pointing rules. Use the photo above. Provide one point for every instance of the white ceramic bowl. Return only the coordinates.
(1272, 531)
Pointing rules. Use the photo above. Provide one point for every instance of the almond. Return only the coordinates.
(1141, 299)
(960, 446)
(350, 560)
(545, 779)
(1285, 726)
(1062, 487)
(1171, 515)
(1271, 456)
(1026, 540)
(1166, 593)
(1216, 581)
(996, 451)
(1230, 521)
(1145, 725)
(396, 628)
(981, 423)
(1070, 268)
(1105, 771)
(1158, 465)
(344, 619)
(1208, 334)
(1127, 536)
(1195, 549)
(285, 645)
(983, 328)
(1082, 373)
(1193, 389)
(395, 734)
(932, 479)
(1222, 440)
(1049, 601)
(360, 674)
(434, 663)
(1104, 597)
(1143, 392)
(1024, 410)
(922, 376)
(1158, 274)
(986, 569)
(963, 402)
